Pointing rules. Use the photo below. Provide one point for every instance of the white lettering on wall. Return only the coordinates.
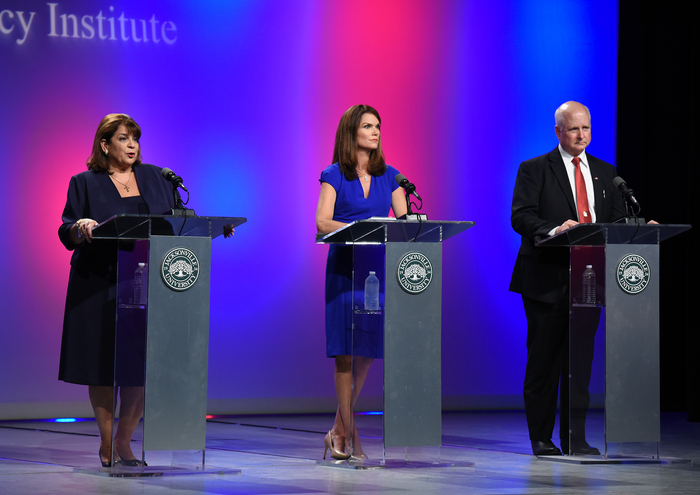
(88, 30)
(66, 25)
(7, 24)
(169, 26)
(4, 29)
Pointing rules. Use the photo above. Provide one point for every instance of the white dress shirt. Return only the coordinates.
(586, 172)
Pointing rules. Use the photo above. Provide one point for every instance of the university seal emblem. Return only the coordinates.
(632, 273)
(414, 273)
(179, 269)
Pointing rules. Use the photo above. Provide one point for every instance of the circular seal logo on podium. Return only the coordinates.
(414, 272)
(633, 273)
(179, 269)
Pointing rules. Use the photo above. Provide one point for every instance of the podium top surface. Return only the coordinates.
(381, 230)
(126, 226)
(596, 234)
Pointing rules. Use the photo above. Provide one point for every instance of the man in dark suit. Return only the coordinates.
(555, 192)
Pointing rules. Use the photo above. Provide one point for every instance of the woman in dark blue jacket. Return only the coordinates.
(116, 182)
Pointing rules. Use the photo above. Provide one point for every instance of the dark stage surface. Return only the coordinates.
(278, 454)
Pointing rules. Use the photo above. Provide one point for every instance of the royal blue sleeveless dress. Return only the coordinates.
(351, 205)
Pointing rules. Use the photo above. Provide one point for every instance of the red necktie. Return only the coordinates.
(584, 214)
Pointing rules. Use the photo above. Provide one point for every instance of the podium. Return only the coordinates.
(162, 331)
(406, 256)
(623, 260)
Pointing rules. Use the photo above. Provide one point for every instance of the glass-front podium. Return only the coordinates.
(400, 321)
(161, 339)
(611, 401)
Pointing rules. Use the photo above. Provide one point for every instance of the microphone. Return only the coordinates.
(407, 186)
(175, 179)
(620, 183)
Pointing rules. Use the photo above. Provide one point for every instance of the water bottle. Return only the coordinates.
(140, 285)
(589, 295)
(372, 292)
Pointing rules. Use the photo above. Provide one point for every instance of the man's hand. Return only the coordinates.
(566, 225)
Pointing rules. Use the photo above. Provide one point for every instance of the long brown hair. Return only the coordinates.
(345, 150)
(98, 161)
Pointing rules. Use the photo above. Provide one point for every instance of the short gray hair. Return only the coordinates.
(559, 112)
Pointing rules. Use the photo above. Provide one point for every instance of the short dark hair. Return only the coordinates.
(345, 150)
(108, 127)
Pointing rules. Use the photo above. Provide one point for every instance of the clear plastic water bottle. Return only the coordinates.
(140, 285)
(372, 292)
(589, 295)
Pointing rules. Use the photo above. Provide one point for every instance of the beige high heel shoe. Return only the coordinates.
(335, 454)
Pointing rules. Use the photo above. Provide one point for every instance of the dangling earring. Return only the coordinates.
(106, 152)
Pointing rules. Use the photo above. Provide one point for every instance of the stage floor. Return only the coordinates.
(277, 454)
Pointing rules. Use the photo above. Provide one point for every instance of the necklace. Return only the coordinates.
(365, 177)
(123, 184)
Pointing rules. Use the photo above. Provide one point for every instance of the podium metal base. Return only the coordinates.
(617, 459)
(398, 464)
(152, 471)
(350, 464)
(391, 464)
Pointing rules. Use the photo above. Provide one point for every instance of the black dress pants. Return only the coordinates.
(548, 361)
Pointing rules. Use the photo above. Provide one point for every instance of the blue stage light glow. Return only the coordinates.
(64, 420)
(371, 413)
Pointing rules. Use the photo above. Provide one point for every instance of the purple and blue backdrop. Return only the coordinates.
(242, 99)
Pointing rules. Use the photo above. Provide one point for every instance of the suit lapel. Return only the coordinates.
(558, 168)
(110, 193)
(143, 186)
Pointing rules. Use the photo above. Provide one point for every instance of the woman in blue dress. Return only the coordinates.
(358, 185)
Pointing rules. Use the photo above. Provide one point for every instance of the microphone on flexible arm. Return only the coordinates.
(407, 186)
(628, 193)
(410, 189)
(176, 180)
